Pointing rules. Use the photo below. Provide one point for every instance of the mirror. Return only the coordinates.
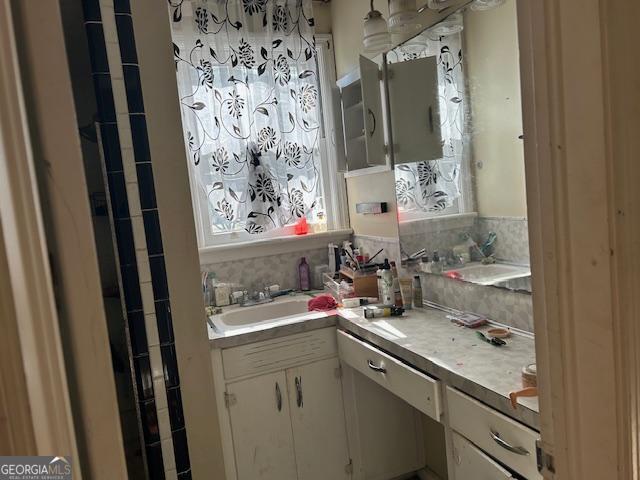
(460, 186)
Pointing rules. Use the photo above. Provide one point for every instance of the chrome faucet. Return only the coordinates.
(256, 298)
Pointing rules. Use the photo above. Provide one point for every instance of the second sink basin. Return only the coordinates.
(277, 312)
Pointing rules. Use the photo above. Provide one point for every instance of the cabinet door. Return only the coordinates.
(471, 462)
(414, 110)
(261, 428)
(372, 110)
(317, 415)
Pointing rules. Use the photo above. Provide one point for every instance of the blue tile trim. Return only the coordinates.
(111, 147)
(95, 38)
(137, 333)
(146, 186)
(140, 138)
(121, 6)
(159, 277)
(165, 322)
(133, 87)
(126, 39)
(144, 378)
(104, 97)
(124, 240)
(170, 365)
(152, 231)
(154, 461)
(118, 195)
(176, 416)
(91, 9)
(181, 450)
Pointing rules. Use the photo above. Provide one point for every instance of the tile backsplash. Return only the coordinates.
(441, 234)
(261, 271)
(504, 306)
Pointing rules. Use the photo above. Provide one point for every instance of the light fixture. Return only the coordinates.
(376, 34)
(486, 4)
(449, 26)
(403, 16)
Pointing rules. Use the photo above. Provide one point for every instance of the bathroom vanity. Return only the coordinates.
(333, 395)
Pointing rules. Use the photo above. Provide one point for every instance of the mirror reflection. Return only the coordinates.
(458, 153)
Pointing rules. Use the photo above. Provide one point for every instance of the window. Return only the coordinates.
(251, 95)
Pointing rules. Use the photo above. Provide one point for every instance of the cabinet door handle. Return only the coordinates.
(278, 397)
(299, 399)
(376, 368)
(517, 450)
(373, 118)
(430, 118)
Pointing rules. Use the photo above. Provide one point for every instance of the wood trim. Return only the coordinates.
(566, 167)
(71, 244)
(43, 425)
(622, 98)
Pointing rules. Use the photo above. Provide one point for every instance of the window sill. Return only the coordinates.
(269, 246)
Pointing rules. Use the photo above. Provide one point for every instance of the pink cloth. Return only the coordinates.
(322, 303)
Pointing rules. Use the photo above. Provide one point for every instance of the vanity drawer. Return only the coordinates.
(471, 462)
(412, 386)
(278, 353)
(504, 439)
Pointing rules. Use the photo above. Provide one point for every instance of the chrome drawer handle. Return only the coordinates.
(278, 398)
(517, 450)
(376, 368)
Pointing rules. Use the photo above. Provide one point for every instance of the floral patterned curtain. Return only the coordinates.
(248, 87)
(434, 186)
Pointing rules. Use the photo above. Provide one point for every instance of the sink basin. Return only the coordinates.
(491, 274)
(279, 312)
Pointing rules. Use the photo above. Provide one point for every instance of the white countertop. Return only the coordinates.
(427, 340)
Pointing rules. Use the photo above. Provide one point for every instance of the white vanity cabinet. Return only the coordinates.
(494, 435)
(469, 462)
(281, 409)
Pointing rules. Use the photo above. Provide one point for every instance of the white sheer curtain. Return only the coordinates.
(435, 186)
(248, 87)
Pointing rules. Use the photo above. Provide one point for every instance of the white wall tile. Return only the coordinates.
(168, 456)
(164, 424)
(160, 393)
(146, 290)
(151, 326)
(155, 358)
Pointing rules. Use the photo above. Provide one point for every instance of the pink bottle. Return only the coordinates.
(303, 275)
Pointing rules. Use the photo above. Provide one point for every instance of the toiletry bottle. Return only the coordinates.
(436, 264)
(387, 284)
(397, 294)
(417, 292)
(332, 258)
(379, 279)
(303, 275)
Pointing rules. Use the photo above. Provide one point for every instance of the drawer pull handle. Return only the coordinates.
(376, 368)
(299, 401)
(517, 450)
(278, 398)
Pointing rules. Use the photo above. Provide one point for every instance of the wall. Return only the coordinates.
(377, 187)
(347, 18)
(322, 16)
(157, 74)
(493, 78)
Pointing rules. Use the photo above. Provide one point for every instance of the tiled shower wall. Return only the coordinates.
(128, 168)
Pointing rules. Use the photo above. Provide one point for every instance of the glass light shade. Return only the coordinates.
(376, 33)
(486, 4)
(449, 26)
(403, 16)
